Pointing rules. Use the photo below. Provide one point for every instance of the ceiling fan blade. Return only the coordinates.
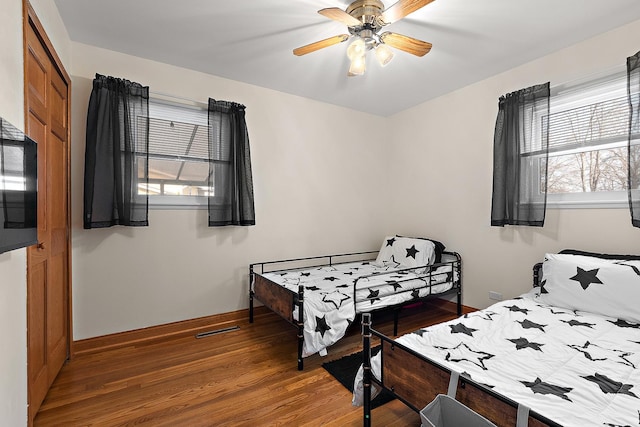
(340, 15)
(408, 44)
(400, 9)
(303, 50)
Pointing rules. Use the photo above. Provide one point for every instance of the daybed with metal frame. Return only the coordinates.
(371, 288)
(599, 336)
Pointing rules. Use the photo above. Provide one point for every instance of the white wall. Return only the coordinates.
(13, 299)
(443, 157)
(13, 295)
(423, 173)
(317, 177)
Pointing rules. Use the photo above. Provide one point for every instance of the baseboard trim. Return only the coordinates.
(162, 332)
(194, 326)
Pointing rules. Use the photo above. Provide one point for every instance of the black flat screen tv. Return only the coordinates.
(18, 189)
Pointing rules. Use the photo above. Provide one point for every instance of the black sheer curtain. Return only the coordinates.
(520, 152)
(633, 147)
(230, 181)
(116, 154)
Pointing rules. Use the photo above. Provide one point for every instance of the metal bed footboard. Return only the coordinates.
(281, 300)
(451, 259)
(416, 380)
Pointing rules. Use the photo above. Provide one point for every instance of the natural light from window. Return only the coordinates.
(588, 133)
(178, 165)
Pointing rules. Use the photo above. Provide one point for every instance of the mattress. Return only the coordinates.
(574, 367)
(331, 300)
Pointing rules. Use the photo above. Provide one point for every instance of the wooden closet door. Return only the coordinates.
(48, 316)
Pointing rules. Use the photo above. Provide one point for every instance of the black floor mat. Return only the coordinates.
(345, 370)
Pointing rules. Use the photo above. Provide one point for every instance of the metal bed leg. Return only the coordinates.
(251, 307)
(300, 342)
(459, 269)
(300, 326)
(251, 278)
(366, 365)
(396, 312)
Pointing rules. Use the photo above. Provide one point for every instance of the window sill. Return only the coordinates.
(177, 203)
(165, 207)
(611, 204)
(589, 200)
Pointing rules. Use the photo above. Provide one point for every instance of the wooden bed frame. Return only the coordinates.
(398, 376)
(282, 301)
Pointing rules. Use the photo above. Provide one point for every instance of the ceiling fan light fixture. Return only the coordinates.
(384, 54)
(364, 20)
(358, 66)
(356, 49)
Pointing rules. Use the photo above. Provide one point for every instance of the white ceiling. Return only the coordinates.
(252, 40)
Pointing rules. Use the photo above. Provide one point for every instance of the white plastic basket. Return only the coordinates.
(445, 411)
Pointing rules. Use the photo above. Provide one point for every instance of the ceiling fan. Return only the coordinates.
(365, 19)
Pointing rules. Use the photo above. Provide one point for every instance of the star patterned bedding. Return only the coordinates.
(329, 305)
(544, 349)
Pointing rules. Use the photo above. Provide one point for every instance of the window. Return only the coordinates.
(588, 132)
(178, 156)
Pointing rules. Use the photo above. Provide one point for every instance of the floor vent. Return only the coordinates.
(217, 331)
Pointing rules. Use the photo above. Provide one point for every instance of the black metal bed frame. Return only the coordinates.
(385, 342)
(297, 298)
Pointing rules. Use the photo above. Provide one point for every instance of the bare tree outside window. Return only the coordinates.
(587, 148)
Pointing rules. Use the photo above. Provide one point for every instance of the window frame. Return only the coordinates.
(582, 93)
(176, 202)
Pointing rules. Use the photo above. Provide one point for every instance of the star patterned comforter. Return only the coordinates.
(574, 367)
(329, 304)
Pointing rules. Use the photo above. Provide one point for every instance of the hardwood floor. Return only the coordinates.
(242, 377)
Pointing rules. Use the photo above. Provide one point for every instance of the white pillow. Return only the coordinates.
(593, 260)
(583, 258)
(606, 287)
(406, 252)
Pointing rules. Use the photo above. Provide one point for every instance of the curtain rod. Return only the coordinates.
(181, 99)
